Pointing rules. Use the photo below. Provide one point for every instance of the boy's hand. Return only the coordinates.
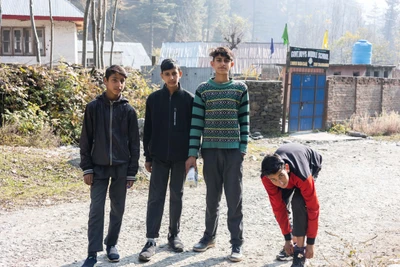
(129, 184)
(148, 166)
(289, 247)
(309, 251)
(88, 178)
(190, 162)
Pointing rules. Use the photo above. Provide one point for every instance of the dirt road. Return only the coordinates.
(358, 190)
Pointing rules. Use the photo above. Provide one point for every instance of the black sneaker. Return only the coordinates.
(236, 254)
(148, 251)
(90, 261)
(283, 256)
(175, 243)
(299, 260)
(204, 244)
(112, 254)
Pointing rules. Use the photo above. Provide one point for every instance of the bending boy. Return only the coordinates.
(288, 176)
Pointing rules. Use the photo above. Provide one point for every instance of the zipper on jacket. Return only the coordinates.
(174, 116)
(169, 123)
(111, 120)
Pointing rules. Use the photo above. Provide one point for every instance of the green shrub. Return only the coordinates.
(36, 98)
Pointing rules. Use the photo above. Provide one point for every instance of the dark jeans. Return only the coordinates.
(295, 202)
(160, 173)
(223, 171)
(98, 193)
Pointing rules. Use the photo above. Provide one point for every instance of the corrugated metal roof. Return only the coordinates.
(60, 8)
(248, 56)
(133, 54)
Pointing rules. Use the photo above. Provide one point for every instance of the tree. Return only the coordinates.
(114, 19)
(51, 35)
(85, 31)
(234, 30)
(390, 21)
(94, 35)
(35, 32)
(103, 31)
(189, 16)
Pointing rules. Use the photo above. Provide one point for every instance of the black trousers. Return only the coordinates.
(161, 171)
(98, 193)
(295, 202)
(223, 171)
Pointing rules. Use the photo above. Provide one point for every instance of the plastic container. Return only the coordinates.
(362, 52)
(192, 177)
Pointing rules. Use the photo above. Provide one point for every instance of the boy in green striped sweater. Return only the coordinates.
(220, 119)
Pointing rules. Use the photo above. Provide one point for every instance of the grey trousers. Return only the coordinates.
(98, 193)
(223, 171)
(161, 171)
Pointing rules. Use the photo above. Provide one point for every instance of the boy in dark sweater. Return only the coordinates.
(166, 144)
(221, 117)
(288, 176)
(109, 147)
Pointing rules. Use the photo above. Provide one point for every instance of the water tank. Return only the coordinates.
(362, 52)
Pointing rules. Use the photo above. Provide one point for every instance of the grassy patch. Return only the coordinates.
(31, 176)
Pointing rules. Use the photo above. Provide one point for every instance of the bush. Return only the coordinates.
(381, 124)
(37, 99)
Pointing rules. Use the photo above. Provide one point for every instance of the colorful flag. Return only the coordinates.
(272, 47)
(325, 42)
(285, 36)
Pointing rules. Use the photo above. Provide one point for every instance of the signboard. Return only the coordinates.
(308, 57)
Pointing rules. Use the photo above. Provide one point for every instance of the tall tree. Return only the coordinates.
(99, 20)
(189, 18)
(94, 35)
(103, 31)
(35, 32)
(85, 31)
(391, 16)
(114, 19)
(232, 30)
(51, 35)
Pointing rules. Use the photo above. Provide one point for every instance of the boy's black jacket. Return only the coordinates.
(110, 135)
(167, 125)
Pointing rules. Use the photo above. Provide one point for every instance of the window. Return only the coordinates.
(356, 73)
(90, 62)
(386, 74)
(21, 42)
(367, 73)
(376, 73)
(337, 73)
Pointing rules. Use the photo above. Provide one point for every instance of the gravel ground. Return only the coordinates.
(358, 190)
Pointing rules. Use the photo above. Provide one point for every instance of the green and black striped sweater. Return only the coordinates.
(220, 116)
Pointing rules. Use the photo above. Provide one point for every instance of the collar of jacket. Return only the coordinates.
(165, 88)
(104, 98)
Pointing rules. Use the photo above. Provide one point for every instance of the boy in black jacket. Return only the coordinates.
(166, 145)
(109, 147)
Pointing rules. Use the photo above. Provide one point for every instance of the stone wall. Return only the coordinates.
(265, 106)
(360, 95)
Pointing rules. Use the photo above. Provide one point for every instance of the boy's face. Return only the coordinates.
(171, 77)
(115, 84)
(222, 65)
(281, 178)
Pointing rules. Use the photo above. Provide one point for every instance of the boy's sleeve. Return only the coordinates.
(134, 146)
(197, 125)
(278, 207)
(86, 142)
(147, 131)
(244, 121)
(307, 189)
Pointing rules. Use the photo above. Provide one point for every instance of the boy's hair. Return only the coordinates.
(272, 163)
(168, 64)
(115, 69)
(221, 51)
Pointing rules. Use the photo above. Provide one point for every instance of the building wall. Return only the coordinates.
(360, 95)
(346, 70)
(65, 39)
(265, 106)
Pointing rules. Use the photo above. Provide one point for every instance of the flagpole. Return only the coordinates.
(285, 37)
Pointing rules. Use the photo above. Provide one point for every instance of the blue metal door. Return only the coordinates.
(307, 100)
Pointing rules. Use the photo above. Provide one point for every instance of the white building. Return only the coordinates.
(125, 54)
(17, 40)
